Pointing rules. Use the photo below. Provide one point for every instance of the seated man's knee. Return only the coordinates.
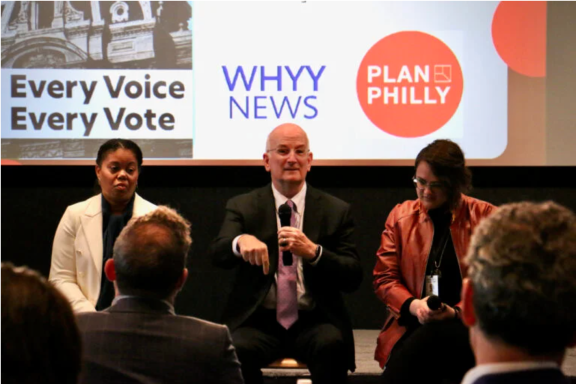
(329, 342)
(254, 347)
(246, 347)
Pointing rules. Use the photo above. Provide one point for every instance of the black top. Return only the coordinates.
(443, 255)
(112, 225)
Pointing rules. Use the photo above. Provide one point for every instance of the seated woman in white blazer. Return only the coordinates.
(87, 231)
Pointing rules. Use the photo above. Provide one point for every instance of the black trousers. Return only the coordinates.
(433, 353)
(312, 340)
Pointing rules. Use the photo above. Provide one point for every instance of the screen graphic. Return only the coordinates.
(205, 82)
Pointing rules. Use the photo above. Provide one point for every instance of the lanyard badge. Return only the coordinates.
(433, 285)
(433, 282)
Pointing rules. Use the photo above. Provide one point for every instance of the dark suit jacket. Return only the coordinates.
(327, 221)
(531, 376)
(140, 340)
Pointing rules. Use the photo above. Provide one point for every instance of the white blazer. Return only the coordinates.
(76, 267)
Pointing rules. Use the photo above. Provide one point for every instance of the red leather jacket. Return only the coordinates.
(403, 254)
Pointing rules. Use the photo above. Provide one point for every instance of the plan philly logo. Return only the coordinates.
(409, 84)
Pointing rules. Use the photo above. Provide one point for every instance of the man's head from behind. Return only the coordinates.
(40, 339)
(288, 158)
(150, 255)
(521, 286)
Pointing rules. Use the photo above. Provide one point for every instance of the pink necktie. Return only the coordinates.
(286, 294)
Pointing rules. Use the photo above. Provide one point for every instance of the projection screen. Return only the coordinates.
(196, 83)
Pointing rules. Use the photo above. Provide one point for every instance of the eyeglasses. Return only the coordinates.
(423, 184)
(285, 152)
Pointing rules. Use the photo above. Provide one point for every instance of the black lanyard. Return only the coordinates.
(438, 263)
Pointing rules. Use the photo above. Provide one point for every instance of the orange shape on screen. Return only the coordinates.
(519, 36)
(10, 162)
(409, 84)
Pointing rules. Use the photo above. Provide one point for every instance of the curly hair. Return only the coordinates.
(150, 253)
(447, 162)
(522, 266)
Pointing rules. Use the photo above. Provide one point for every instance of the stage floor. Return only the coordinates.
(365, 342)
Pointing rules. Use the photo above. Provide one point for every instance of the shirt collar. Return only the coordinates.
(495, 368)
(299, 199)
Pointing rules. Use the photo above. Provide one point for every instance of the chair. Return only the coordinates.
(289, 363)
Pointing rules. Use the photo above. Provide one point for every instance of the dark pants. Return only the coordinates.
(434, 353)
(312, 340)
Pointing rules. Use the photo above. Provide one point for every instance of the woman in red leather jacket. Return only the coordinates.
(421, 254)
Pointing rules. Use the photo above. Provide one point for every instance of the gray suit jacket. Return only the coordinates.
(140, 340)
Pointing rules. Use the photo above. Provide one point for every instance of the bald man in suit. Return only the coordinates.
(281, 310)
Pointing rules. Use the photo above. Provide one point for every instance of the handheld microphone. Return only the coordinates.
(285, 213)
(434, 302)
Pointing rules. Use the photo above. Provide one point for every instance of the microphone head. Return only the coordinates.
(285, 213)
(434, 302)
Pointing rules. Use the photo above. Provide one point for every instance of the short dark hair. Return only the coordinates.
(40, 338)
(114, 144)
(522, 266)
(447, 162)
(150, 253)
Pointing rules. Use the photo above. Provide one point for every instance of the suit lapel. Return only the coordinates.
(312, 225)
(92, 226)
(139, 207)
(312, 215)
(266, 206)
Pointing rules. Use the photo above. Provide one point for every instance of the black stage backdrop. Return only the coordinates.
(35, 197)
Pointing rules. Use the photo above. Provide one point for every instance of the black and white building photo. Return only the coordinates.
(97, 34)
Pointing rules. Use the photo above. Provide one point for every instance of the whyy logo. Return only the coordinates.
(409, 84)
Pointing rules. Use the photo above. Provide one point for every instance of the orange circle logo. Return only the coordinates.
(409, 84)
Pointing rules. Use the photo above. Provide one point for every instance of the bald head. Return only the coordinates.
(286, 131)
(288, 158)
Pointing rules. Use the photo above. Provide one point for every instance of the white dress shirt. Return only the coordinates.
(496, 368)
